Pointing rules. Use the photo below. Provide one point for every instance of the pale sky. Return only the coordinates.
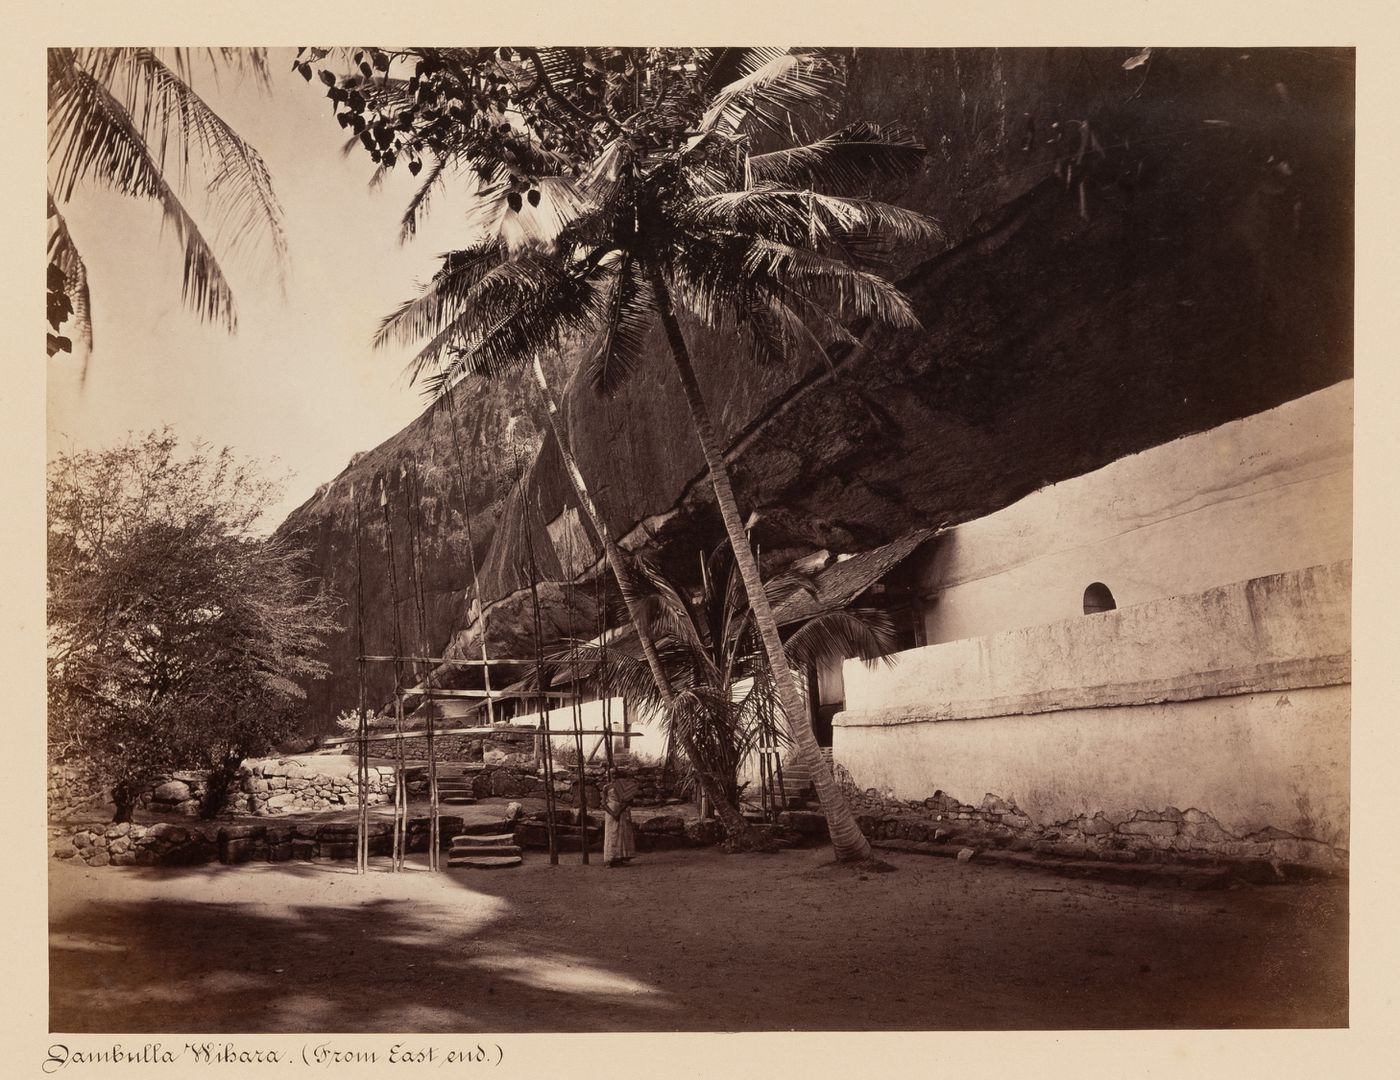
(298, 382)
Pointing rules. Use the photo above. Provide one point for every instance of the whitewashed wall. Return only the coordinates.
(1258, 496)
(1220, 683)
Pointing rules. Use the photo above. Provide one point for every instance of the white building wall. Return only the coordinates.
(1258, 496)
(1234, 701)
(1220, 683)
(650, 740)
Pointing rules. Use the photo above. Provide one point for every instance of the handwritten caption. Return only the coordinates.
(318, 1055)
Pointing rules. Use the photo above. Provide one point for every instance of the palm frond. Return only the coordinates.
(524, 308)
(440, 300)
(91, 133)
(847, 292)
(848, 161)
(772, 92)
(806, 217)
(185, 131)
(778, 334)
(495, 294)
(417, 208)
(627, 321)
(241, 61)
(849, 218)
(865, 633)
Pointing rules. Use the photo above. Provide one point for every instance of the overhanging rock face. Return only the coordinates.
(1127, 262)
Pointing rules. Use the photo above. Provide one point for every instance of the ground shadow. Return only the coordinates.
(686, 940)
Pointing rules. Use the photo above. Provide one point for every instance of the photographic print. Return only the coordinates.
(708, 539)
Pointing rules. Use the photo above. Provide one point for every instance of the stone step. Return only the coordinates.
(485, 862)
(480, 840)
(484, 828)
(456, 800)
(485, 851)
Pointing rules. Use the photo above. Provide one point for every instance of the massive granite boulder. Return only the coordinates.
(1134, 252)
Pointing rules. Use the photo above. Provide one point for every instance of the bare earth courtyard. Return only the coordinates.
(681, 940)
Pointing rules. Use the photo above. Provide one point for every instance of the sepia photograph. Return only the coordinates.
(662, 538)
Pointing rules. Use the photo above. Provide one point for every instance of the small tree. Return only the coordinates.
(177, 636)
(721, 689)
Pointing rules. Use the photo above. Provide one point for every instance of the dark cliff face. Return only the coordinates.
(1132, 256)
(497, 439)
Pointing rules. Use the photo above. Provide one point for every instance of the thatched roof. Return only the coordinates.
(841, 583)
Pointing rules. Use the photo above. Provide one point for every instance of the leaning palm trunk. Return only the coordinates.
(850, 843)
(729, 816)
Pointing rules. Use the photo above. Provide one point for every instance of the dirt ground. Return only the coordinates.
(681, 940)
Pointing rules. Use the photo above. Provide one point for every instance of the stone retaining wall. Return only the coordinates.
(165, 844)
(499, 748)
(72, 789)
(1165, 835)
(278, 786)
(321, 782)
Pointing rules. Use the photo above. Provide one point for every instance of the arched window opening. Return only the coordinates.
(1097, 597)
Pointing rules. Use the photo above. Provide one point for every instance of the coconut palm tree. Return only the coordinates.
(675, 217)
(129, 120)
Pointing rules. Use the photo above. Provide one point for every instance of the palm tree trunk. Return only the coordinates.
(847, 839)
(733, 821)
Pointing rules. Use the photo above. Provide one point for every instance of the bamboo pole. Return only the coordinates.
(400, 780)
(604, 683)
(425, 675)
(478, 599)
(362, 726)
(547, 747)
(577, 711)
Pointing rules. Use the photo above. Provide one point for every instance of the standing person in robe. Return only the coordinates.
(619, 838)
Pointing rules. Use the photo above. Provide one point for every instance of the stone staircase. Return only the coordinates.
(490, 852)
(454, 783)
(455, 786)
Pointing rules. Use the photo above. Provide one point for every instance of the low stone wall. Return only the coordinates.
(1165, 835)
(164, 844)
(128, 844)
(322, 782)
(72, 790)
(307, 783)
(503, 747)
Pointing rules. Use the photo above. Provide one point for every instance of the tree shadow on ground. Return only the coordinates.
(363, 964)
(683, 940)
